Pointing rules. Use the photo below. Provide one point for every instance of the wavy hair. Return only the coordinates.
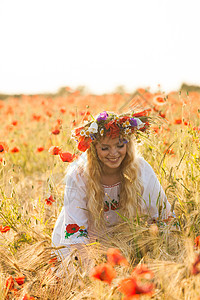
(130, 190)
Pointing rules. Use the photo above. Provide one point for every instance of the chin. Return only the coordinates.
(114, 164)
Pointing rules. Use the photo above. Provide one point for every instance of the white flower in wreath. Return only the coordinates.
(126, 124)
(140, 124)
(93, 128)
(101, 132)
(87, 133)
(82, 132)
(127, 130)
(116, 118)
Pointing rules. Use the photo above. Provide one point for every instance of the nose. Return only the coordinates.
(113, 152)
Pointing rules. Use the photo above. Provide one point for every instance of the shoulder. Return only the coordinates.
(75, 172)
(146, 170)
(143, 164)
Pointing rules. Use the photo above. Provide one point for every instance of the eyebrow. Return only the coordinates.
(120, 142)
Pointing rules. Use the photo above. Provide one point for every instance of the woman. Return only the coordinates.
(108, 181)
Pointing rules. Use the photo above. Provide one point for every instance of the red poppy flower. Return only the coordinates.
(52, 261)
(83, 145)
(10, 283)
(4, 229)
(178, 121)
(77, 131)
(63, 110)
(36, 117)
(195, 266)
(169, 151)
(3, 147)
(14, 123)
(84, 113)
(14, 150)
(72, 228)
(113, 129)
(104, 272)
(160, 99)
(40, 149)
(142, 271)
(131, 288)
(59, 121)
(163, 115)
(156, 129)
(20, 280)
(55, 131)
(142, 113)
(123, 119)
(74, 123)
(197, 241)
(66, 156)
(54, 150)
(114, 257)
(72, 113)
(49, 114)
(49, 200)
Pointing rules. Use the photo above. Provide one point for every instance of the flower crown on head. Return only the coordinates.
(111, 125)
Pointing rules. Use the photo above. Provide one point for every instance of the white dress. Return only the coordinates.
(73, 225)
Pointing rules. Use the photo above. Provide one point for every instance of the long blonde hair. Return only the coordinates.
(130, 190)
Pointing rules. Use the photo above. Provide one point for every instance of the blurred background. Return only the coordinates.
(101, 45)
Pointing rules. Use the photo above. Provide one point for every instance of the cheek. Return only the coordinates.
(100, 153)
(123, 151)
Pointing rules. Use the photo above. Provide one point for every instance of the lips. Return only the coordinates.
(113, 159)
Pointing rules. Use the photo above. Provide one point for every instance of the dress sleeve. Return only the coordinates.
(154, 200)
(75, 227)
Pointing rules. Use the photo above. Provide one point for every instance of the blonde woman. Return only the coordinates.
(108, 180)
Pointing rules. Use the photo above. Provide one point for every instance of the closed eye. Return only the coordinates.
(118, 146)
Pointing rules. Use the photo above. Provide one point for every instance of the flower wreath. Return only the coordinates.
(112, 125)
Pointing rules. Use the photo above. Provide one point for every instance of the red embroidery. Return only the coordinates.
(72, 228)
(114, 205)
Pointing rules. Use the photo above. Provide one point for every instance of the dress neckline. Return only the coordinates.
(112, 185)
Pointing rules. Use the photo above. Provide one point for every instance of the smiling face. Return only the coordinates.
(111, 153)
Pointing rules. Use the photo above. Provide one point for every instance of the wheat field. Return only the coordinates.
(32, 188)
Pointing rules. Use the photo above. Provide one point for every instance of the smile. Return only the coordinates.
(113, 159)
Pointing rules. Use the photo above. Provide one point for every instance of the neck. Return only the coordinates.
(109, 171)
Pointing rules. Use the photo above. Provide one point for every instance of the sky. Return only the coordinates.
(48, 44)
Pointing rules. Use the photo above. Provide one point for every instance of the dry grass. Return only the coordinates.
(28, 177)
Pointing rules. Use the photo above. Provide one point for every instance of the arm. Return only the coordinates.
(72, 227)
(75, 211)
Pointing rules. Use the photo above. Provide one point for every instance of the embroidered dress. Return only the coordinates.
(73, 225)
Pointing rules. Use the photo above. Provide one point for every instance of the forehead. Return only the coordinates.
(110, 142)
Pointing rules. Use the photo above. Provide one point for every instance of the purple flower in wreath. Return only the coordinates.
(102, 116)
(133, 122)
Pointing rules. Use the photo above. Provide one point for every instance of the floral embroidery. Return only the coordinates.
(73, 228)
(83, 232)
(111, 204)
(114, 204)
(106, 206)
